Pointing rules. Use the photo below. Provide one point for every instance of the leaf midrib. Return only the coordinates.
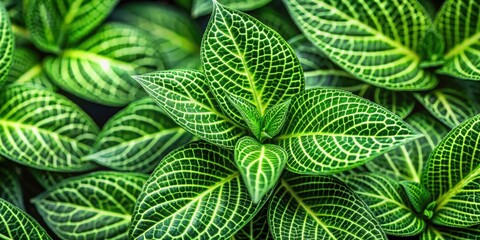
(460, 48)
(301, 134)
(125, 216)
(84, 54)
(30, 73)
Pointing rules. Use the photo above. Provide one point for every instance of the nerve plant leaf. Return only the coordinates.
(256, 229)
(329, 131)
(388, 202)
(452, 176)
(137, 138)
(204, 7)
(418, 196)
(274, 119)
(237, 62)
(93, 206)
(185, 97)
(27, 69)
(459, 23)
(99, 68)
(443, 233)
(49, 179)
(6, 43)
(210, 200)
(431, 49)
(320, 207)
(249, 113)
(400, 103)
(368, 39)
(16, 224)
(10, 188)
(44, 130)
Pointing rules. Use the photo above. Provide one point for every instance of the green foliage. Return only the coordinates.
(6, 43)
(16, 224)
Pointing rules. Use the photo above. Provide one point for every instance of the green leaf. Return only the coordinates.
(320, 207)
(16, 224)
(6, 44)
(244, 58)
(52, 23)
(204, 7)
(184, 96)
(93, 206)
(417, 194)
(261, 166)
(137, 138)
(330, 131)
(400, 103)
(250, 114)
(199, 186)
(449, 105)
(432, 48)
(275, 119)
(387, 201)
(459, 23)
(10, 187)
(273, 15)
(99, 68)
(175, 35)
(256, 229)
(406, 162)
(452, 175)
(49, 179)
(444, 233)
(27, 69)
(44, 130)
(368, 39)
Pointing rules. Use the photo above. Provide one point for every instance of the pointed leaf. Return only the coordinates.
(27, 69)
(184, 96)
(6, 43)
(431, 49)
(275, 118)
(204, 7)
(10, 187)
(93, 206)
(417, 194)
(400, 103)
(330, 131)
(444, 233)
(250, 114)
(199, 186)
(256, 229)
(245, 58)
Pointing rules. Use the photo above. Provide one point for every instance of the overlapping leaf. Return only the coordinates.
(443, 233)
(244, 58)
(329, 131)
(48, 179)
(400, 103)
(137, 138)
(10, 188)
(16, 224)
(274, 17)
(418, 196)
(44, 130)
(94, 206)
(368, 39)
(27, 69)
(6, 43)
(203, 7)
(256, 229)
(198, 190)
(99, 69)
(320, 207)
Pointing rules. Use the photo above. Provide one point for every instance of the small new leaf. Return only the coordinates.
(275, 118)
(250, 114)
(417, 194)
(431, 49)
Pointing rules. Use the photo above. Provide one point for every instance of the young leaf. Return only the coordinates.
(99, 68)
(256, 229)
(452, 175)
(44, 130)
(431, 49)
(16, 224)
(27, 69)
(386, 199)
(275, 119)
(137, 138)
(443, 233)
(6, 44)
(400, 103)
(368, 38)
(184, 96)
(10, 188)
(250, 114)
(417, 194)
(261, 166)
(204, 7)
(93, 206)
(330, 131)
(319, 207)
(49, 179)
(459, 23)
(244, 58)
(198, 186)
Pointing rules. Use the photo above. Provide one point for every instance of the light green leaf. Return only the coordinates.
(48, 179)
(137, 138)
(185, 97)
(10, 187)
(244, 58)
(431, 49)
(261, 166)
(99, 69)
(459, 23)
(16, 224)
(368, 39)
(250, 114)
(256, 229)
(320, 207)
(44, 130)
(275, 119)
(388, 202)
(417, 194)
(52, 23)
(175, 35)
(204, 7)
(452, 176)
(446, 233)
(27, 69)
(400, 103)
(6, 44)
(330, 131)
(199, 186)
(273, 15)
(93, 206)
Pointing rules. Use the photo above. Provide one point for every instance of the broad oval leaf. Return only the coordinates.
(199, 190)
(320, 207)
(10, 187)
(330, 131)
(204, 7)
(16, 224)
(459, 23)
(443, 233)
(243, 57)
(44, 130)
(48, 179)
(368, 39)
(137, 138)
(93, 206)
(400, 103)
(452, 176)
(388, 202)
(99, 68)
(27, 69)
(6, 44)
(184, 96)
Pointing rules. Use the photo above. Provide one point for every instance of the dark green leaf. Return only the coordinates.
(417, 194)
(6, 44)
(27, 69)
(10, 188)
(204, 7)
(16, 224)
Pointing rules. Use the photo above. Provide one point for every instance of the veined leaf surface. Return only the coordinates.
(44, 130)
(256, 229)
(400, 103)
(446, 233)
(243, 57)
(418, 196)
(329, 131)
(10, 188)
(49, 179)
(368, 38)
(6, 43)
(27, 69)
(204, 7)
(274, 16)
(320, 207)
(210, 200)
(93, 206)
